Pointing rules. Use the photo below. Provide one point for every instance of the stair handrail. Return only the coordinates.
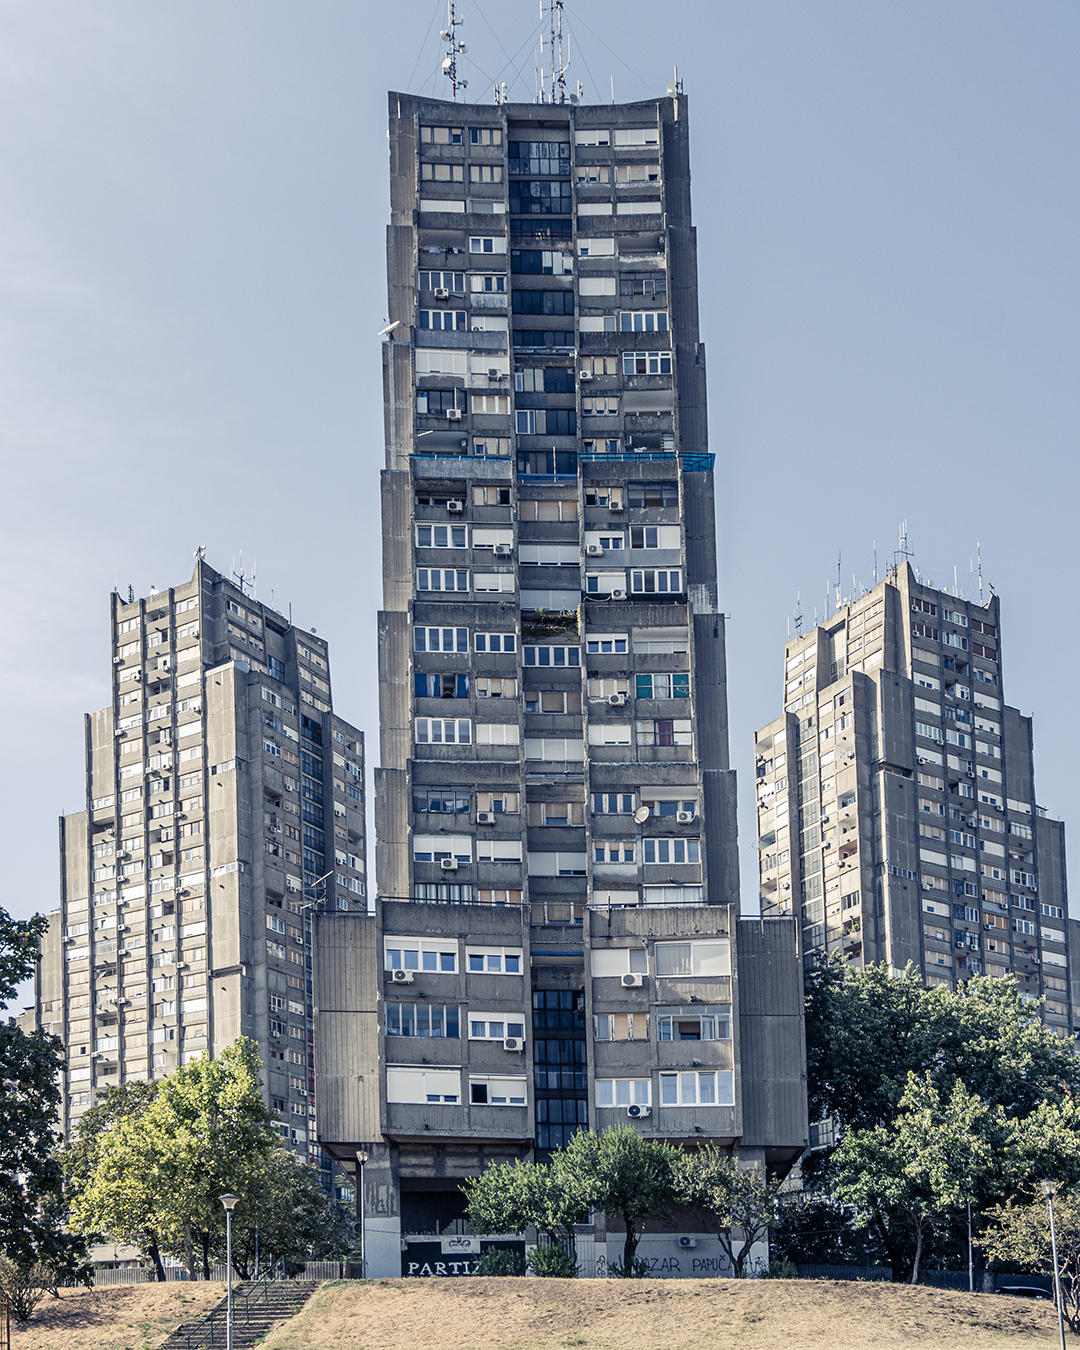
(204, 1330)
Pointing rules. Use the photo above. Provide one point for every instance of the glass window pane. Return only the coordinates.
(673, 958)
(668, 1090)
(711, 958)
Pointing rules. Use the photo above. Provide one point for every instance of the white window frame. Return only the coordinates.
(404, 947)
(613, 1093)
(489, 954)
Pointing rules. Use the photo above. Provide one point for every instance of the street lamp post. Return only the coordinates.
(361, 1159)
(230, 1202)
(1049, 1190)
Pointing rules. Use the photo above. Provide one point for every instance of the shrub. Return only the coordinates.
(780, 1268)
(636, 1269)
(25, 1286)
(500, 1261)
(551, 1260)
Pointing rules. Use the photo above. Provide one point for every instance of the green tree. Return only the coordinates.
(508, 1197)
(1019, 1236)
(728, 1196)
(866, 1030)
(32, 1232)
(930, 1161)
(285, 1213)
(626, 1176)
(156, 1171)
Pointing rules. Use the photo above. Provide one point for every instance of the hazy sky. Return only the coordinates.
(193, 199)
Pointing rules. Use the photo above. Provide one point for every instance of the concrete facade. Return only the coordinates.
(224, 798)
(897, 816)
(555, 811)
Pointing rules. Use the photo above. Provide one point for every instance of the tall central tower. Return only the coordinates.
(555, 813)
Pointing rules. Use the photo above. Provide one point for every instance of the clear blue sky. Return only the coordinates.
(192, 219)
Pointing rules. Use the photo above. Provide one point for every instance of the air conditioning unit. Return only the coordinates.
(585, 375)
(119, 732)
(632, 981)
(485, 817)
(496, 375)
(455, 508)
(684, 817)
(514, 1043)
(614, 506)
(687, 1242)
(454, 414)
(593, 551)
(136, 675)
(401, 977)
(618, 593)
(639, 1112)
(448, 864)
(617, 701)
(442, 293)
(503, 551)
(118, 660)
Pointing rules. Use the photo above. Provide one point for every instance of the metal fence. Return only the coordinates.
(810, 1272)
(312, 1270)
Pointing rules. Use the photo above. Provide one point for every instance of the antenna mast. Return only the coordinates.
(978, 552)
(453, 51)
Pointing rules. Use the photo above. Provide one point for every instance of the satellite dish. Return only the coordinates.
(642, 814)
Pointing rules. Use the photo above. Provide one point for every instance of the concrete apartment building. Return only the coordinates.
(897, 815)
(555, 811)
(223, 798)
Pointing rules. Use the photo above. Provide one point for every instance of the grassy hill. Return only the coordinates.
(489, 1314)
(506, 1314)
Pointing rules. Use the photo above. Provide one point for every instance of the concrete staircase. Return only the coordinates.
(256, 1309)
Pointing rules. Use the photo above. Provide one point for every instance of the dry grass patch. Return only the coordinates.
(114, 1317)
(510, 1314)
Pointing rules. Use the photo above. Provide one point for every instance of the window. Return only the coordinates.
(442, 639)
(497, 405)
(679, 960)
(422, 1019)
(441, 536)
(442, 892)
(543, 302)
(623, 1092)
(553, 701)
(643, 321)
(613, 803)
(482, 1027)
(552, 656)
(499, 803)
(441, 686)
(544, 380)
(676, 685)
(443, 731)
(420, 954)
(485, 135)
(431, 172)
(660, 581)
(593, 173)
(556, 813)
(608, 643)
(698, 1089)
(420, 1086)
(550, 555)
(495, 686)
(493, 960)
(622, 1027)
(491, 447)
(498, 898)
(496, 733)
(548, 510)
(444, 801)
(441, 579)
(663, 731)
(444, 320)
(487, 244)
(646, 363)
(493, 581)
(646, 284)
(600, 690)
(485, 173)
(614, 962)
(441, 136)
(600, 405)
(662, 806)
(490, 1091)
(489, 283)
(495, 642)
(545, 422)
(645, 495)
(526, 339)
(620, 852)
(655, 536)
(609, 733)
(540, 262)
(672, 851)
(550, 749)
(443, 281)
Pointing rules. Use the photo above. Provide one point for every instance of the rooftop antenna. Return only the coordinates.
(131, 594)
(200, 552)
(612, 88)
(453, 51)
(955, 583)
(797, 615)
(875, 562)
(559, 67)
(838, 560)
(978, 554)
